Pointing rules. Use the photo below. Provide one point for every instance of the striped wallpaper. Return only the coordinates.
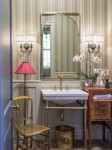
(96, 18)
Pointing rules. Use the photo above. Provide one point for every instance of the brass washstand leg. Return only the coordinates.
(85, 127)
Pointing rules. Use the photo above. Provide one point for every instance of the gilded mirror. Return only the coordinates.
(60, 42)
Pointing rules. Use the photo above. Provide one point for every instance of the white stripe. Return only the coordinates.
(7, 131)
(7, 107)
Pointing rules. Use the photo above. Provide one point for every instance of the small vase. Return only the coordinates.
(89, 82)
(106, 84)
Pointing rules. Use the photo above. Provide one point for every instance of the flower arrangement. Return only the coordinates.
(91, 78)
(81, 57)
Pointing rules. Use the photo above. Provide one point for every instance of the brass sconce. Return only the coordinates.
(94, 43)
(26, 43)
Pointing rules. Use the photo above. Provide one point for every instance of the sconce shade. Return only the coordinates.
(100, 39)
(89, 38)
(20, 38)
(94, 38)
(25, 68)
(31, 38)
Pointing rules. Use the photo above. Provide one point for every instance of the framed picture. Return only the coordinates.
(103, 74)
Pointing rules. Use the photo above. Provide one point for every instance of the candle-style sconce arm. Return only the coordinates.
(26, 47)
(94, 42)
(93, 48)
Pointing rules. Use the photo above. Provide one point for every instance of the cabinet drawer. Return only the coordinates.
(101, 111)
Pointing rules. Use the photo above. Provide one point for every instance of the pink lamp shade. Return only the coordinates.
(25, 68)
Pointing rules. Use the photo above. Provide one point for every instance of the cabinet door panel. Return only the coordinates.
(102, 110)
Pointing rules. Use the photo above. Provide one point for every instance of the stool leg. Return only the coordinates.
(48, 140)
(17, 140)
(26, 141)
(89, 134)
(103, 131)
(31, 142)
(111, 134)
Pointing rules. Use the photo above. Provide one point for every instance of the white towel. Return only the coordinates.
(106, 96)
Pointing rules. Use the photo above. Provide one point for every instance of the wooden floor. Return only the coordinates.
(78, 145)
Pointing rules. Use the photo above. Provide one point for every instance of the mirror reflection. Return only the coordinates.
(60, 42)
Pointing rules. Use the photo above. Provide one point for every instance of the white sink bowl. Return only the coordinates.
(64, 97)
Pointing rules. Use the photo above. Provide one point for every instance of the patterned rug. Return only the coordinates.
(96, 145)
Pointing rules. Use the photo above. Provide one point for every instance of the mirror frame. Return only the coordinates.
(51, 14)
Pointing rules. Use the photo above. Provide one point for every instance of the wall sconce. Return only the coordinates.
(94, 43)
(26, 43)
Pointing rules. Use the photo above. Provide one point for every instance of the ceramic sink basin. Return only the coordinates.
(63, 97)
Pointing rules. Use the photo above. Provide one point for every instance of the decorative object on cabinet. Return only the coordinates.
(107, 83)
(26, 44)
(99, 110)
(26, 69)
(26, 132)
(110, 84)
(103, 75)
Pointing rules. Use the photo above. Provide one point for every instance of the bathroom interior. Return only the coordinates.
(48, 34)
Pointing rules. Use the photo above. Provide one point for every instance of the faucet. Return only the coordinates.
(60, 76)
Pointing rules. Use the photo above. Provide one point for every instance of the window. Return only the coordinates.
(46, 47)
